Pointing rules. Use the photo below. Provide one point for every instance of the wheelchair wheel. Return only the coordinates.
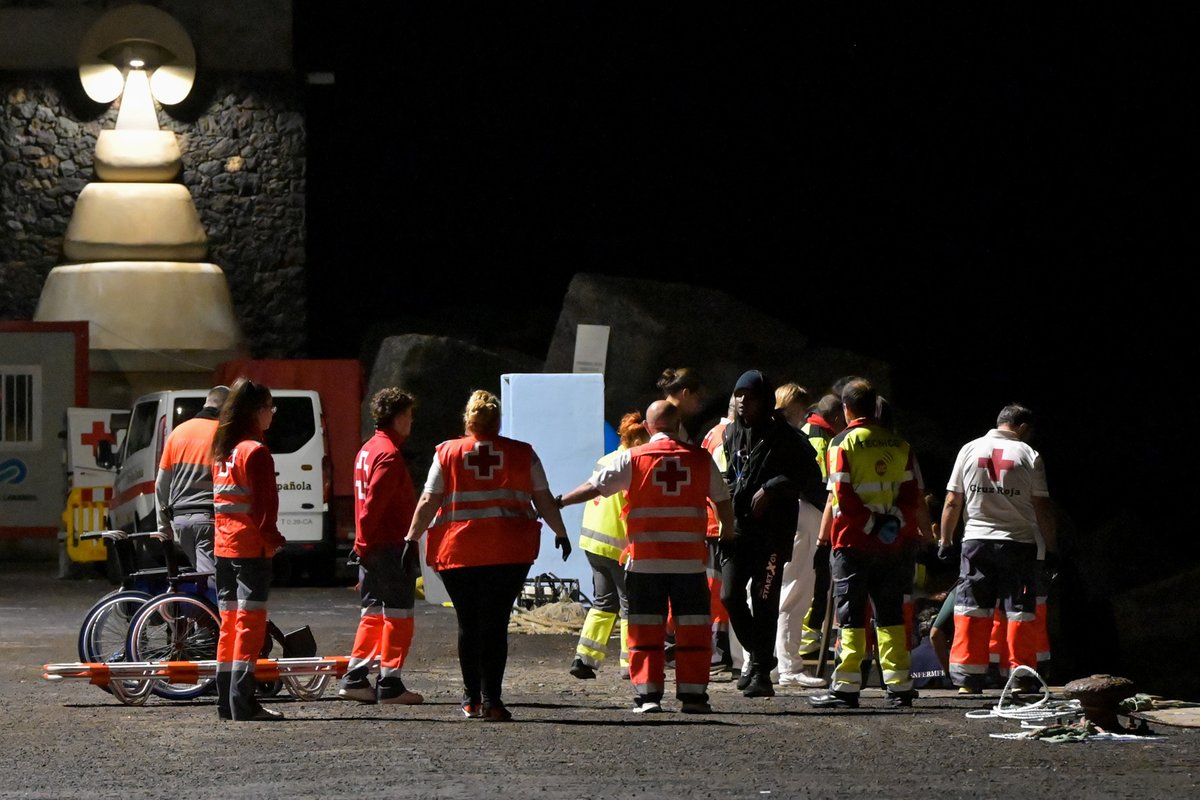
(175, 627)
(103, 636)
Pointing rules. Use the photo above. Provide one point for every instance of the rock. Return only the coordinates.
(441, 373)
(654, 325)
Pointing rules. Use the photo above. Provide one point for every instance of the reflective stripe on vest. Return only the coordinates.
(236, 534)
(486, 516)
(875, 463)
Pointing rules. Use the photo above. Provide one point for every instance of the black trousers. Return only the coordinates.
(483, 600)
(751, 579)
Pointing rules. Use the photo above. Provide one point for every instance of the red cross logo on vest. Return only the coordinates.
(672, 476)
(97, 436)
(995, 464)
(484, 461)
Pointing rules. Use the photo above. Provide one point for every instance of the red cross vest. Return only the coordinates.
(668, 507)
(238, 533)
(487, 515)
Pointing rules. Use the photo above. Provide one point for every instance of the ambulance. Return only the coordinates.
(298, 442)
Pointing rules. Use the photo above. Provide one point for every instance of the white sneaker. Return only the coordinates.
(802, 680)
(648, 708)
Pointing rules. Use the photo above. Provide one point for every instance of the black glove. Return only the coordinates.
(1051, 565)
(944, 551)
(821, 556)
(411, 560)
(564, 544)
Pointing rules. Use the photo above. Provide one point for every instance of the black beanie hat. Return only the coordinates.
(756, 382)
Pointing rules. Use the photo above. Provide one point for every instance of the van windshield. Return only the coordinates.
(293, 425)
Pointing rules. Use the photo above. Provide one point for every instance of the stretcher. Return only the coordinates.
(304, 678)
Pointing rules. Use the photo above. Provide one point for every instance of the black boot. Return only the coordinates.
(759, 685)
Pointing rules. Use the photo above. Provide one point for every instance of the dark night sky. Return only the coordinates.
(997, 183)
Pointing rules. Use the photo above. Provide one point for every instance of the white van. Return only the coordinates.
(298, 442)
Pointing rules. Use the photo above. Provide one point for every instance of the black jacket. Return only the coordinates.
(776, 457)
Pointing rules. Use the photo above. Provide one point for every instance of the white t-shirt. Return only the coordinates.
(999, 475)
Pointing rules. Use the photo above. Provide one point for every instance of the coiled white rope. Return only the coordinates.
(1031, 715)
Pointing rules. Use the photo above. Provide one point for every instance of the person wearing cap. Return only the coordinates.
(770, 467)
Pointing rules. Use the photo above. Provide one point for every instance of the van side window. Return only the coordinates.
(292, 426)
(184, 409)
(141, 427)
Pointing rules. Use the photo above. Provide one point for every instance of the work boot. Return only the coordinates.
(835, 699)
(759, 686)
(264, 714)
(360, 690)
(901, 699)
(1027, 684)
(581, 670)
(392, 692)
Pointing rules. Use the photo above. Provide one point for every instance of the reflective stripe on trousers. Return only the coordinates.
(871, 585)
(385, 625)
(997, 587)
(650, 596)
(243, 586)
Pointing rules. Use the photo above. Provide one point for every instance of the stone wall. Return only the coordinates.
(243, 143)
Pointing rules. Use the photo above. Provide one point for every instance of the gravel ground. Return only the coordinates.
(570, 739)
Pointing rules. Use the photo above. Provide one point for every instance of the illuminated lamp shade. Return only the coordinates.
(130, 34)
